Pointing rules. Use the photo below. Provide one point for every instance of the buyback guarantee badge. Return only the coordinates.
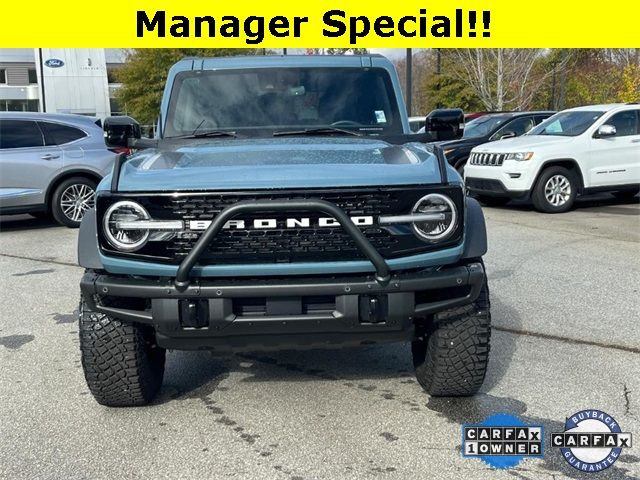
(592, 440)
(502, 441)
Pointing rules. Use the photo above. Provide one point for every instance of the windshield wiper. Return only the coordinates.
(209, 133)
(317, 131)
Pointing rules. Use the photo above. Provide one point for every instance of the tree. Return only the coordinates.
(597, 76)
(503, 78)
(630, 88)
(337, 51)
(145, 72)
(439, 85)
(346, 51)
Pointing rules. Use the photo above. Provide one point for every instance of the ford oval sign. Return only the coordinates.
(54, 63)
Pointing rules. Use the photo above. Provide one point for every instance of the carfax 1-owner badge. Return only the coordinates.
(592, 440)
(502, 441)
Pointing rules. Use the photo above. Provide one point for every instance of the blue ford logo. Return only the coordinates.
(54, 63)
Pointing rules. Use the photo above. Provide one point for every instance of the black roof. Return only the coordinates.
(519, 114)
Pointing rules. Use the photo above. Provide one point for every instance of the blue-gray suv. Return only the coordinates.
(50, 164)
(284, 203)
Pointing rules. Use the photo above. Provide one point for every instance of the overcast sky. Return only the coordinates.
(391, 53)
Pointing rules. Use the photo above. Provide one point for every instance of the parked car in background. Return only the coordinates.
(582, 150)
(487, 128)
(51, 164)
(473, 115)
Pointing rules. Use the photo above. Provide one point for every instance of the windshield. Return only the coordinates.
(262, 101)
(567, 124)
(483, 126)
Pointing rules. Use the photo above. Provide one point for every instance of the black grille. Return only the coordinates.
(281, 244)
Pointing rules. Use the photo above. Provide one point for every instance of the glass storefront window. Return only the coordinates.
(19, 105)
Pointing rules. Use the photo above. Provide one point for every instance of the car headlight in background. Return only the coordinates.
(519, 156)
(128, 226)
(438, 217)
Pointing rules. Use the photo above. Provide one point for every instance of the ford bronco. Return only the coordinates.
(283, 203)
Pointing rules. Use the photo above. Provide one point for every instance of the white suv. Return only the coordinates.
(577, 151)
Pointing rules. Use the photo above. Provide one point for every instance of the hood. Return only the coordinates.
(522, 144)
(301, 162)
(459, 143)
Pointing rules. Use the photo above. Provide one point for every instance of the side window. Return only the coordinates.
(541, 118)
(58, 134)
(33, 76)
(519, 126)
(20, 134)
(626, 123)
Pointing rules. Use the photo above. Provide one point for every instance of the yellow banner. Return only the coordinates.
(337, 23)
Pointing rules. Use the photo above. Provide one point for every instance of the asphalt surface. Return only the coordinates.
(566, 308)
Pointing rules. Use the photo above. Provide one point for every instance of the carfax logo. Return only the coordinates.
(592, 440)
(502, 441)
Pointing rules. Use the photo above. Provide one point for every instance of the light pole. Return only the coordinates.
(409, 68)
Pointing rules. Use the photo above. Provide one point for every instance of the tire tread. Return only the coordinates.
(118, 366)
(452, 360)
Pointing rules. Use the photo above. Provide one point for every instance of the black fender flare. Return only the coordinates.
(88, 253)
(475, 238)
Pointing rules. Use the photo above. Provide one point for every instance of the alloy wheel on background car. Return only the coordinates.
(557, 190)
(76, 199)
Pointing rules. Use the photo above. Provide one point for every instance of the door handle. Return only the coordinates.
(49, 156)
(635, 140)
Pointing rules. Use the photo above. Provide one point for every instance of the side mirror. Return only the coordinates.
(121, 131)
(606, 131)
(508, 134)
(445, 123)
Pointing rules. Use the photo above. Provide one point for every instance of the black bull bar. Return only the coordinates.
(383, 273)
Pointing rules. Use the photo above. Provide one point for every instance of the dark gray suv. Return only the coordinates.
(50, 164)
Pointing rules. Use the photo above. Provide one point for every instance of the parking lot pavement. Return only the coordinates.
(565, 305)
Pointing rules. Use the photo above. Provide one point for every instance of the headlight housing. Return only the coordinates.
(126, 240)
(440, 228)
(519, 156)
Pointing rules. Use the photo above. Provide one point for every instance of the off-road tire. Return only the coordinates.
(538, 198)
(451, 358)
(56, 200)
(122, 364)
(492, 201)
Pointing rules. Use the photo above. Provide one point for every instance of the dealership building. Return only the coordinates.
(60, 80)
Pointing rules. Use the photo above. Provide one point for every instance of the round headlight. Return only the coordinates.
(445, 222)
(126, 240)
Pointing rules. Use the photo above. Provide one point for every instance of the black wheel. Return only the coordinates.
(71, 199)
(492, 201)
(555, 190)
(451, 355)
(122, 364)
(626, 194)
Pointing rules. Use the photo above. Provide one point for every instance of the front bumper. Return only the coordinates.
(511, 179)
(245, 314)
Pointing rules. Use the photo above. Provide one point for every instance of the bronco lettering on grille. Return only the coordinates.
(267, 223)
